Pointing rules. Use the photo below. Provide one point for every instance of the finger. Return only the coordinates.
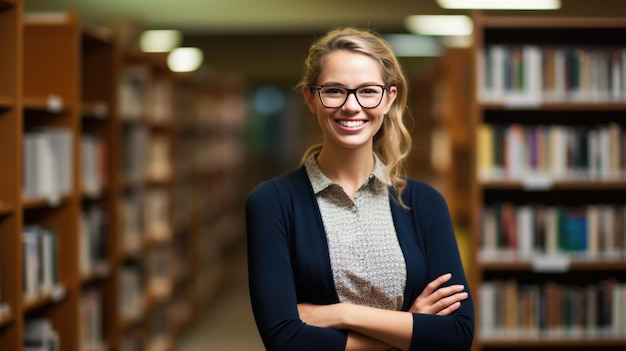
(448, 310)
(435, 284)
(447, 303)
(441, 294)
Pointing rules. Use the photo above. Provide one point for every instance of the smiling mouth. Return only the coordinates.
(350, 124)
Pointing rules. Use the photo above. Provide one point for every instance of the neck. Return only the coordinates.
(347, 167)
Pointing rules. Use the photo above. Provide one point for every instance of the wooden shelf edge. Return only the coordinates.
(516, 184)
(6, 102)
(45, 299)
(51, 104)
(6, 318)
(6, 208)
(42, 202)
(554, 106)
(549, 22)
(536, 341)
(572, 266)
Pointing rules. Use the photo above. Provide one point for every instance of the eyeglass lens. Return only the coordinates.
(335, 96)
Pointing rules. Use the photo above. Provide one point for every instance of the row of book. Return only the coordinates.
(47, 163)
(556, 152)
(592, 232)
(145, 216)
(143, 95)
(40, 256)
(509, 309)
(93, 243)
(532, 74)
(145, 156)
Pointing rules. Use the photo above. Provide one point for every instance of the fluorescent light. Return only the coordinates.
(409, 45)
(440, 25)
(185, 59)
(501, 4)
(161, 40)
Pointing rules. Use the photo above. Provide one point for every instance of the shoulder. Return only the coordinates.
(288, 185)
(420, 195)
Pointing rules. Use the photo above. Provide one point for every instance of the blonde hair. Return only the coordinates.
(392, 143)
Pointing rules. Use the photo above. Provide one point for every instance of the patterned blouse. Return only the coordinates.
(365, 255)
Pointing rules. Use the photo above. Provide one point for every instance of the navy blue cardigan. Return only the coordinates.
(288, 263)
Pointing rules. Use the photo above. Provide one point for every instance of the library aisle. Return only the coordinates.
(228, 323)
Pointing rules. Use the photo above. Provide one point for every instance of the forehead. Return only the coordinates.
(350, 66)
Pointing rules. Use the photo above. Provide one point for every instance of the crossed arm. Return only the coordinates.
(377, 329)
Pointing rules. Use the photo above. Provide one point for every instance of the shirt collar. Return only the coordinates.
(320, 182)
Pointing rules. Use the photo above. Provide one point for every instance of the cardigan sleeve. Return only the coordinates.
(432, 332)
(271, 276)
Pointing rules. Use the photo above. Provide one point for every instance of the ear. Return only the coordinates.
(309, 98)
(391, 95)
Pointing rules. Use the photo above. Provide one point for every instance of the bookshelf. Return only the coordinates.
(11, 319)
(99, 183)
(549, 183)
(146, 287)
(49, 178)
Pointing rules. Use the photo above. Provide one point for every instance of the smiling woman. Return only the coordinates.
(346, 253)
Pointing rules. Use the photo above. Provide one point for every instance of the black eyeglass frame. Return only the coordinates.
(348, 92)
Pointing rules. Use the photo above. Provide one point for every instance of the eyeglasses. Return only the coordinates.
(334, 96)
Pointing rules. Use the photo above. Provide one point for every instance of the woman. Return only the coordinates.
(345, 253)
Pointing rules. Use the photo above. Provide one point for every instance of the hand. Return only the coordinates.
(437, 300)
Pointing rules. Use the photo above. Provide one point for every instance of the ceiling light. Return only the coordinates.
(409, 45)
(439, 25)
(185, 59)
(161, 40)
(501, 4)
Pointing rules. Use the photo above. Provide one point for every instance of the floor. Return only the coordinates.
(228, 324)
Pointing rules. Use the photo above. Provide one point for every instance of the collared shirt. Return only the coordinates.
(366, 259)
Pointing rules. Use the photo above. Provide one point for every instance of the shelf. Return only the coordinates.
(6, 319)
(95, 111)
(563, 265)
(529, 184)
(6, 102)
(51, 104)
(558, 92)
(525, 342)
(42, 202)
(550, 22)
(6, 208)
(45, 299)
(555, 106)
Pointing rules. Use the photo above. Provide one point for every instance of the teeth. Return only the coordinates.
(351, 124)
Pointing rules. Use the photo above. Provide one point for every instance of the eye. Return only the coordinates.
(333, 91)
(369, 91)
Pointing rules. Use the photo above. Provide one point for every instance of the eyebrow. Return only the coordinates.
(344, 86)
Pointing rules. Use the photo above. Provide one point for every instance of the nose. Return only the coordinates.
(352, 103)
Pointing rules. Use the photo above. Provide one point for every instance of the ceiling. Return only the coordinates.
(277, 16)
(268, 39)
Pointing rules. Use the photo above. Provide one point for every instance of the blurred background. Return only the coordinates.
(211, 131)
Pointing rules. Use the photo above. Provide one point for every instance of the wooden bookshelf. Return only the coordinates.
(99, 188)
(11, 318)
(549, 206)
(147, 91)
(51, 95)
